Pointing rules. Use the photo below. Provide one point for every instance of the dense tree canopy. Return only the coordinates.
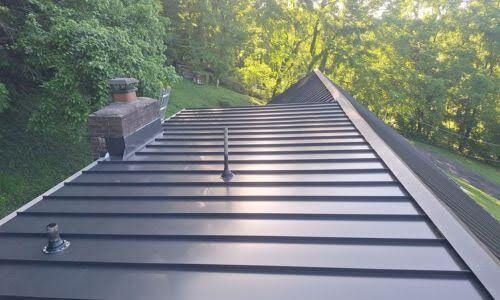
(429, 68)
(60, 54)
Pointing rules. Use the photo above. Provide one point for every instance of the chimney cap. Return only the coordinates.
(122, 80)
(123, 85)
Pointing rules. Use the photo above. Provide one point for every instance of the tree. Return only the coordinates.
(429, 68)
(71, 49)
(208, 35)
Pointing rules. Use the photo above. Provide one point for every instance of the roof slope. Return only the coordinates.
(313, 211)
(480, 222)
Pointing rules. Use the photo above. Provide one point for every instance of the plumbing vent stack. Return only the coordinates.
(55, 242)
(227, 175)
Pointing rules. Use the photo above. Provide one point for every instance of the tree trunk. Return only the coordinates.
(312, 48)
(279, 80)
(324, 59)
(466, 130)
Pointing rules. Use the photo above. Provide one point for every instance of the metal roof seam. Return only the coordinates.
(307, 215)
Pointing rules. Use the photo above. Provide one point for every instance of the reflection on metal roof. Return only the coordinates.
(313, 212)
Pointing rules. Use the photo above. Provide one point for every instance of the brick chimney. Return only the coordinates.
(125, 124)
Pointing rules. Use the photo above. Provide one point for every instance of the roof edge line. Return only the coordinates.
(480, 260)
(40, 197)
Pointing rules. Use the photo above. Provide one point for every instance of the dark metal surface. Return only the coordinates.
(119, 147)
(486, 228)
(311, 213)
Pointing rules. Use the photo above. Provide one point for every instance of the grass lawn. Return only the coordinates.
(31, 165)
(490, 203)
(186, 94)
(484, 170)
(488, 172)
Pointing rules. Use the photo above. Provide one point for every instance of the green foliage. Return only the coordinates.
(428, 68)
(257, 77)
(73, 47)
(55, 60)
(208, 35)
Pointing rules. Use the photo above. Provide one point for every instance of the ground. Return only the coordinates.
(186, 94)
(32, 164)
(480, 181)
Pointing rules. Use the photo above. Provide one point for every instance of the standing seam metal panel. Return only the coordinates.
(306, 216)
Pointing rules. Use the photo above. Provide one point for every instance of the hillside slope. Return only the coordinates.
(186, 94)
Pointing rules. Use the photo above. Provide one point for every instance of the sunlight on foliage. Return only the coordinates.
(428, 68)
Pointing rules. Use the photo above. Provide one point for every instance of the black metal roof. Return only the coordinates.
(319, 208)
(481, 223)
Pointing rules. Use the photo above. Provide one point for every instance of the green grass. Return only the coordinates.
(186, 94)
(488, 202)
(31, 165)
(486, 171)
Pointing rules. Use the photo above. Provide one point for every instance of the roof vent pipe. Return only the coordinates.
(55, 243)
(227, 175)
